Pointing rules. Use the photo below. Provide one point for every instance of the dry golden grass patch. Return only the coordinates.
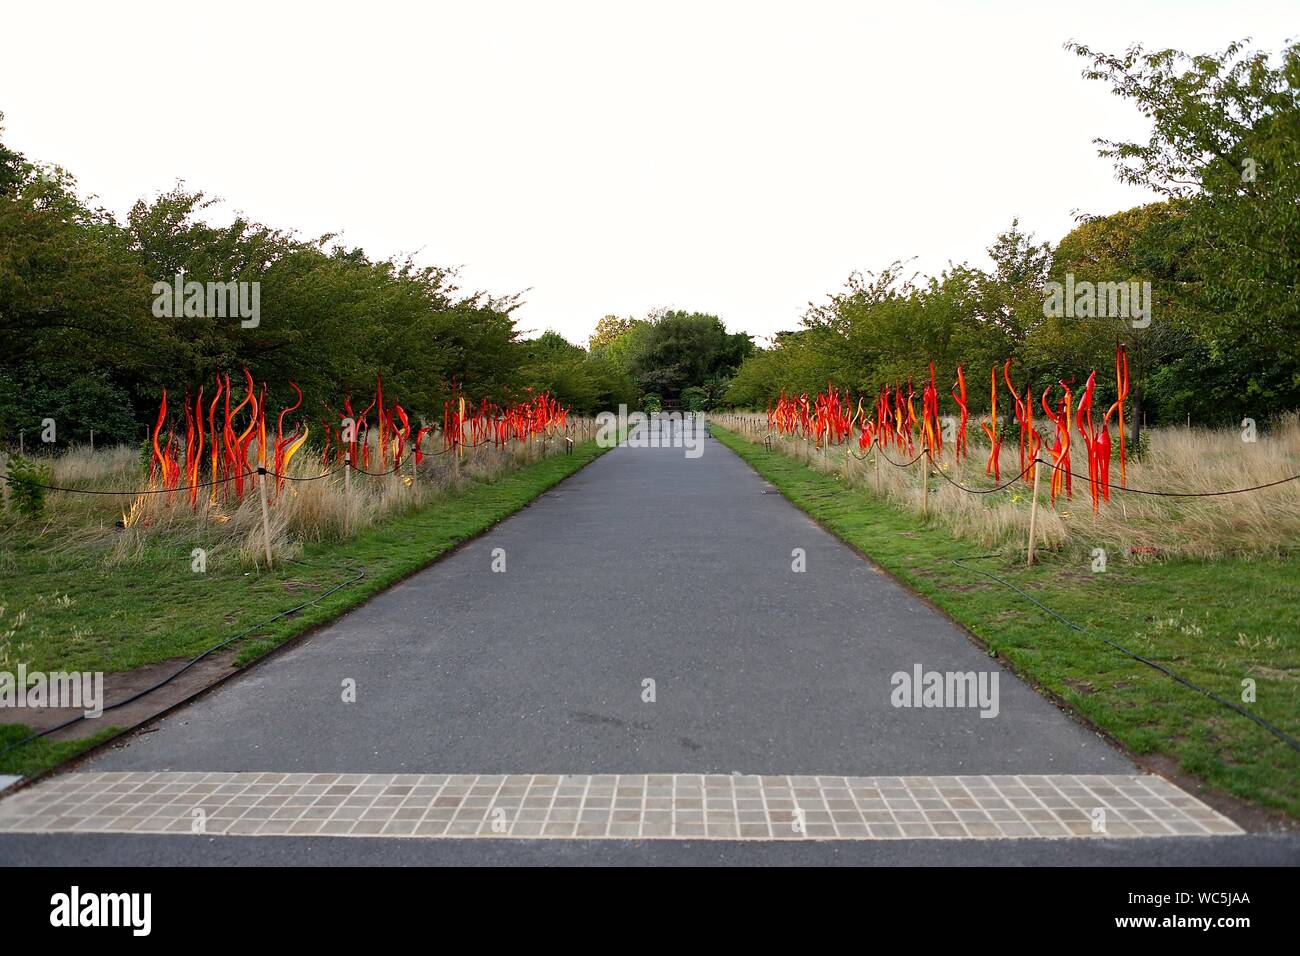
(1263, 523)
(117, 530)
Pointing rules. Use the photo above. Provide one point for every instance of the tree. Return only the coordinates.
(83, 344)
(72, 297)
(587, 382)
(1225, 140)
(11, 165)
(684, 349)
(85, 401)
(608, 328)
(625, 348)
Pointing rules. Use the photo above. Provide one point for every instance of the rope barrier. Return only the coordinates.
(1176, 494)
(880, 449)
(988, 491)
(324, 474)
(146, 491)
(377, 474)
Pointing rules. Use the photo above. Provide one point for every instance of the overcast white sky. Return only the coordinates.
(736, 158)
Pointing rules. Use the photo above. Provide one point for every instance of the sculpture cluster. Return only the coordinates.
(831, 418)
(221, 432)
(463, 424)
(220, 435)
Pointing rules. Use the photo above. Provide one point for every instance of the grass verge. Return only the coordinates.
(1216, 623)
(75, 617)
(41, 754)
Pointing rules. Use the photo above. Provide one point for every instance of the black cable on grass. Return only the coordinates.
(361, 573)
(1168, 672)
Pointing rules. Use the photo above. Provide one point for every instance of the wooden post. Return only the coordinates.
(347, 492)
(1033, 513)
(925, 483)
(266, 521)
(878, 491)
(92, 439)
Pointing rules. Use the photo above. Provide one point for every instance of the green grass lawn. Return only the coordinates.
(1214, 623)
(77, 616)
(40, 754)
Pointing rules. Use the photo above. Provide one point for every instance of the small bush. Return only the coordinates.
(26, 494)
(695, 399)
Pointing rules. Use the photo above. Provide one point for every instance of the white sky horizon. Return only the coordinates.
(739, 159)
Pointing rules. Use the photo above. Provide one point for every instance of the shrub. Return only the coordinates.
(695, 399)
(26, 491)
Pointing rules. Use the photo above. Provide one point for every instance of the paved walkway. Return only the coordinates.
(618, 806)
(648, 623)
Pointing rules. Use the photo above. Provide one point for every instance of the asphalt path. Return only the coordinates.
(645, 566)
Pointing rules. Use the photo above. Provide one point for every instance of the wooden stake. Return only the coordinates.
(1033, 513)
(925, 484)
(878, 470)
(266, 521)
(347, 492)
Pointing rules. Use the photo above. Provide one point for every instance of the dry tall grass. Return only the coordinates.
(1257, 523)
(120, 529)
